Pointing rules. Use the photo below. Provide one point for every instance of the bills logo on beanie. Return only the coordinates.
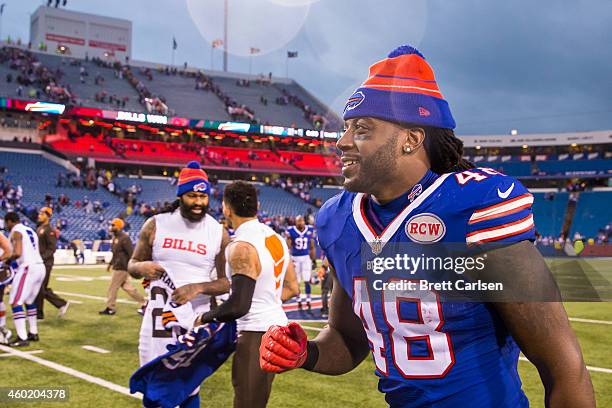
(192, 178)
(401, 88)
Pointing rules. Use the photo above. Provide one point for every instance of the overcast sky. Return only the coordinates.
(536, 66)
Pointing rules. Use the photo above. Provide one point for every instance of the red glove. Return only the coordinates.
(283, 348)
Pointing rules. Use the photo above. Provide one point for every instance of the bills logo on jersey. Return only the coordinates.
(415, 192)
(201, 187)
(425, 228)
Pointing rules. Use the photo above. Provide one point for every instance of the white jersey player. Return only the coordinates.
(29, 275)
(178, 251)
(262, 277)
(300, 239)
(6, 276)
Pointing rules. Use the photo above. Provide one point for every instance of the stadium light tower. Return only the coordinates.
(514, 132)
(225, 12)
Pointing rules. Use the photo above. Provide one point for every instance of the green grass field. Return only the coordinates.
(62, 341)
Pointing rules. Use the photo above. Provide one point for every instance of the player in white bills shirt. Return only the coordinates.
(177, 251)
(29, 274)
(262, 277)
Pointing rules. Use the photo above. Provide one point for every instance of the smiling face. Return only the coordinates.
(194, 205)
(371, 149)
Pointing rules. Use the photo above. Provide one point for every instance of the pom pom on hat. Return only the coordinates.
(405, 50)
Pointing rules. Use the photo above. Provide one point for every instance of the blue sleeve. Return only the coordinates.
(330, 219)
(501, 213)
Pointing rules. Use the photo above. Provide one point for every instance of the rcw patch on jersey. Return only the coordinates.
(425, 228)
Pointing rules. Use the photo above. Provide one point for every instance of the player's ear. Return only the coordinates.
(413, 139)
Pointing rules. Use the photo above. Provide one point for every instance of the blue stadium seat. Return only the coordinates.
(592, 213)
(549, 214)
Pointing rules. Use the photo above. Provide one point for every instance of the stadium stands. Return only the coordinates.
(86, 92)
(182, 97)
(325, 193)
(38, 176)
(593, 213)
(273, 201)
(87, 80)
(271, 113)
(142, 151)
(548, 212)
(85, 145)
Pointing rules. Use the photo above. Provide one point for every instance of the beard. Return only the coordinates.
(188, 213)
(374, 170)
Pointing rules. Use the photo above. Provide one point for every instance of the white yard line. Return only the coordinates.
(312, 328)
(590, 368)
(76, 302)
(28, 352)
(95, 349)
(72, 278)
(70, 371)
(99, 266)
(577, 319)
(94, 297)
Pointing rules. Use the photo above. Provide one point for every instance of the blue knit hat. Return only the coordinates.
(192, 178)
(401, 88)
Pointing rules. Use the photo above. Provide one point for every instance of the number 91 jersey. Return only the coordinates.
(428, 352)
(300, 240)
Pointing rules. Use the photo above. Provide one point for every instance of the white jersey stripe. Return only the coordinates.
(505, 208)
(506, 230)
(364, 227)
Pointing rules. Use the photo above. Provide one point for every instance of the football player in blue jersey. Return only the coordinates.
(406, 182)
(300, 238)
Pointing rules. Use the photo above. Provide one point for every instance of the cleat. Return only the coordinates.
(308, 307)
(107, 311)
(33, 337)
(19, 343)
(324, 313)
(299, 305)
(62, 310)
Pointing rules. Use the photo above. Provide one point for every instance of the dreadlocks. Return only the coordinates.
(445, 150)
(169, 207)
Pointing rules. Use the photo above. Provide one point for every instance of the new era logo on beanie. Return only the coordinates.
(401, 88)
(192, 178)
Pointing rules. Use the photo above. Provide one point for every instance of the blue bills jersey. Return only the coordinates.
(428, 352)
(300, 240)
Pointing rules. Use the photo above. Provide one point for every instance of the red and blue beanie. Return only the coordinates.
(192, 178)
(401, 88)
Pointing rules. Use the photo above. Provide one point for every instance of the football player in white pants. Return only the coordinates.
(29, 275)
(300, 239)
(5, 253)
(177, 251)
